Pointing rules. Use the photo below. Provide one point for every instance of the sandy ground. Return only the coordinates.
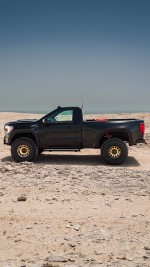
(71, 209)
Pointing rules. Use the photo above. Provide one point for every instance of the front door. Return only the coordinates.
(60, 130)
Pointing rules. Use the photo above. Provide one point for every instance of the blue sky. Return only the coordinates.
(52, 52)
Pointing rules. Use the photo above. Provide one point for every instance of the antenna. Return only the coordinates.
(81, 102)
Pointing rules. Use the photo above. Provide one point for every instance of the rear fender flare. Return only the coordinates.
(112, 131)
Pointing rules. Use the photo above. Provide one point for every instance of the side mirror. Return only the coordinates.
(45, 121)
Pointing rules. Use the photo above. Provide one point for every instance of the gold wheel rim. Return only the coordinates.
(114, 152)
(23, 151)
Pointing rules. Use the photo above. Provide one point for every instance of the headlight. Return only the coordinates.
(7, 129)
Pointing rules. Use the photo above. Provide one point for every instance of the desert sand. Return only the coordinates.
(72, 209)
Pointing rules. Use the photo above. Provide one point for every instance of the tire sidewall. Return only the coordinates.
(30, 144)
(114, 142)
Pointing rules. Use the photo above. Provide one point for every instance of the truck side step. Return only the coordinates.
(63, 149)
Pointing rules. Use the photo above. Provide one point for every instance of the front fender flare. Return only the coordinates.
(20, 133)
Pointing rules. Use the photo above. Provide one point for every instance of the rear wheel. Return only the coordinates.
(114, 151)
(24, 149)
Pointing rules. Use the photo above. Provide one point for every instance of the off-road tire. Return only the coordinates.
(114, 151)
(24, 149)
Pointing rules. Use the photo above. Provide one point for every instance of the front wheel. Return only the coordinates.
(114, 151)
(24, 149)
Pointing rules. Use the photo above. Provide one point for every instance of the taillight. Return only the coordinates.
(142, 128)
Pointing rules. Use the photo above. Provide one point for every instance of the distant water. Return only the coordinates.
(86, 111)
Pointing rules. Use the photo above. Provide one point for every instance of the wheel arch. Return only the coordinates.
(124, 135)
(24, 134)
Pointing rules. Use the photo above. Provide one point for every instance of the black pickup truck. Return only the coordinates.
(64, 129)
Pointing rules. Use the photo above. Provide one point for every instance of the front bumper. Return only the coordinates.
(6, 139)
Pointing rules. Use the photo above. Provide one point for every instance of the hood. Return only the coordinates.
(21, 122)
(29, 121)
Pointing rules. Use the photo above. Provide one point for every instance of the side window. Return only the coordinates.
(64, 116)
